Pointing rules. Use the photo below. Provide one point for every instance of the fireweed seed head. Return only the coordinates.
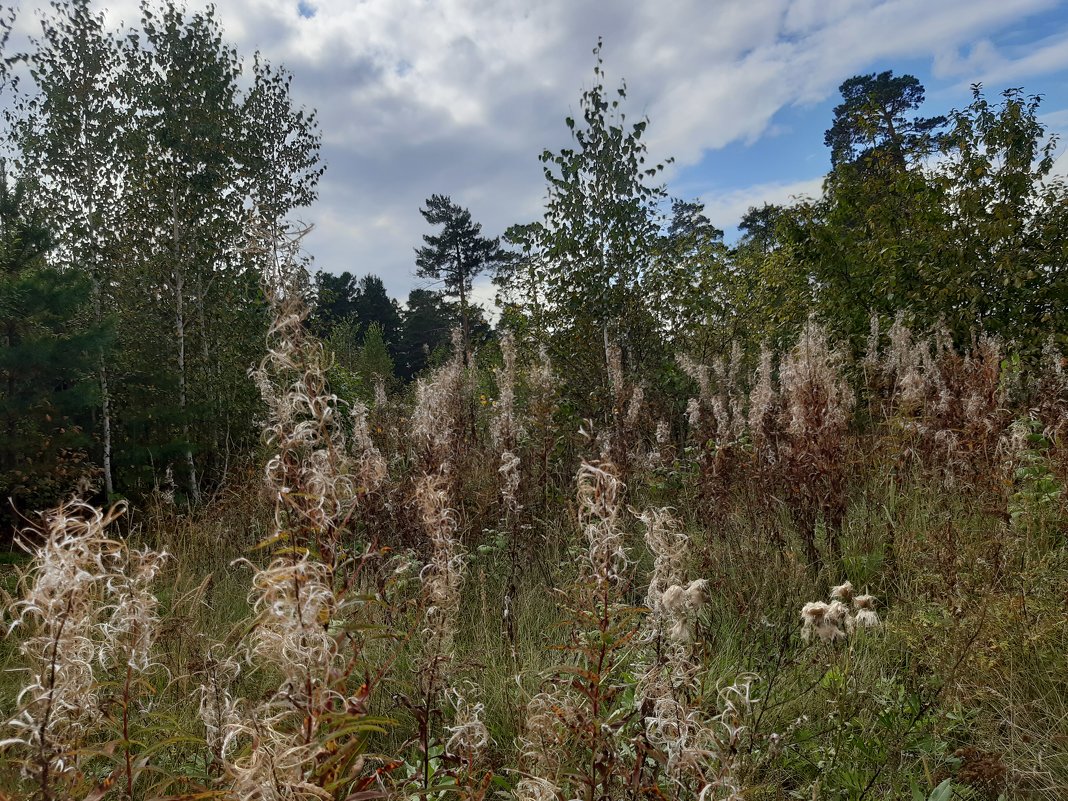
(468, 735)
(669, 545)
(293, 604)
(128, 634)
(697, 594)
(673, 600)
(599, 492)
(693, 413)
(680, 631)
(64, 599)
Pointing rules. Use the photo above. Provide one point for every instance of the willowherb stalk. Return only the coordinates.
(599, 496)
(438, 413)
(735, 704)
(959, 412)
(720, 402)
(292, 601)
(133, 620)
(282, 747)
(669, 545)
(380, 399)
(1051, 393)
(614, 361)
(442, 579)
(870, 361)
(729, 403)
(541, 386)
(662, 453)
(577, 730)
(699, 373)
(509, 477)
(88, 599)
(763, 411)
(468, 735)
(717, 423)
(270, 752)
(311, 474)
(670, 598)
(545, 743)
(615, 442)
(812, 372)
(632, 429)
(370, 466)
(817, 403)
(668, 676)
(702, 753)
(217, 705)
(505, 429)
(60, 609)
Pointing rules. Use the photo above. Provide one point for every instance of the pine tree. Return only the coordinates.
(48, 346)
(456, 255)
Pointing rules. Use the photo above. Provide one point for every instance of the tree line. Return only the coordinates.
(132, 308)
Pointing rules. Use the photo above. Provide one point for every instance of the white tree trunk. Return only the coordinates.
(179, 293)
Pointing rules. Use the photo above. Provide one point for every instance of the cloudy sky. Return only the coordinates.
(459, 97)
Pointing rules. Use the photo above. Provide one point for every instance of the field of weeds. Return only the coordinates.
(828, 577)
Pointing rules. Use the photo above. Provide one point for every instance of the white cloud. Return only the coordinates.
(1056, 121)
(726, 208)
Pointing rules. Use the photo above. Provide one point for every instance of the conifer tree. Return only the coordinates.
(456, 255)
(48, 346)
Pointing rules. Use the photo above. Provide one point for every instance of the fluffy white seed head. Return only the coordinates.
(818, 620)
(866, 616)
(843, 592)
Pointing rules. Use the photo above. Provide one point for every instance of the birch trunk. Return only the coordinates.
(105, 397)
(179, 321)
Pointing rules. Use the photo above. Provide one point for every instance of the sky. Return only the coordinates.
(459, 97)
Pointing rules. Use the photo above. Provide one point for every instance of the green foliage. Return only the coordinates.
(974, 240)
(689, 286)
(579, 274)
(374, 362)
(147, 151)
(357, 366)
(870, 124)
(342, 299)
(47, 343)
(1007, 223)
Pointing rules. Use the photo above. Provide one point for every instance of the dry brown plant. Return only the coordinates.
(817, 404)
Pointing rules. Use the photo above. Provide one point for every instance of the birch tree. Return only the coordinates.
(70, 130)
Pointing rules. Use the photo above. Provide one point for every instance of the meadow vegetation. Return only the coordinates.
(832, 578)
(780, 519)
